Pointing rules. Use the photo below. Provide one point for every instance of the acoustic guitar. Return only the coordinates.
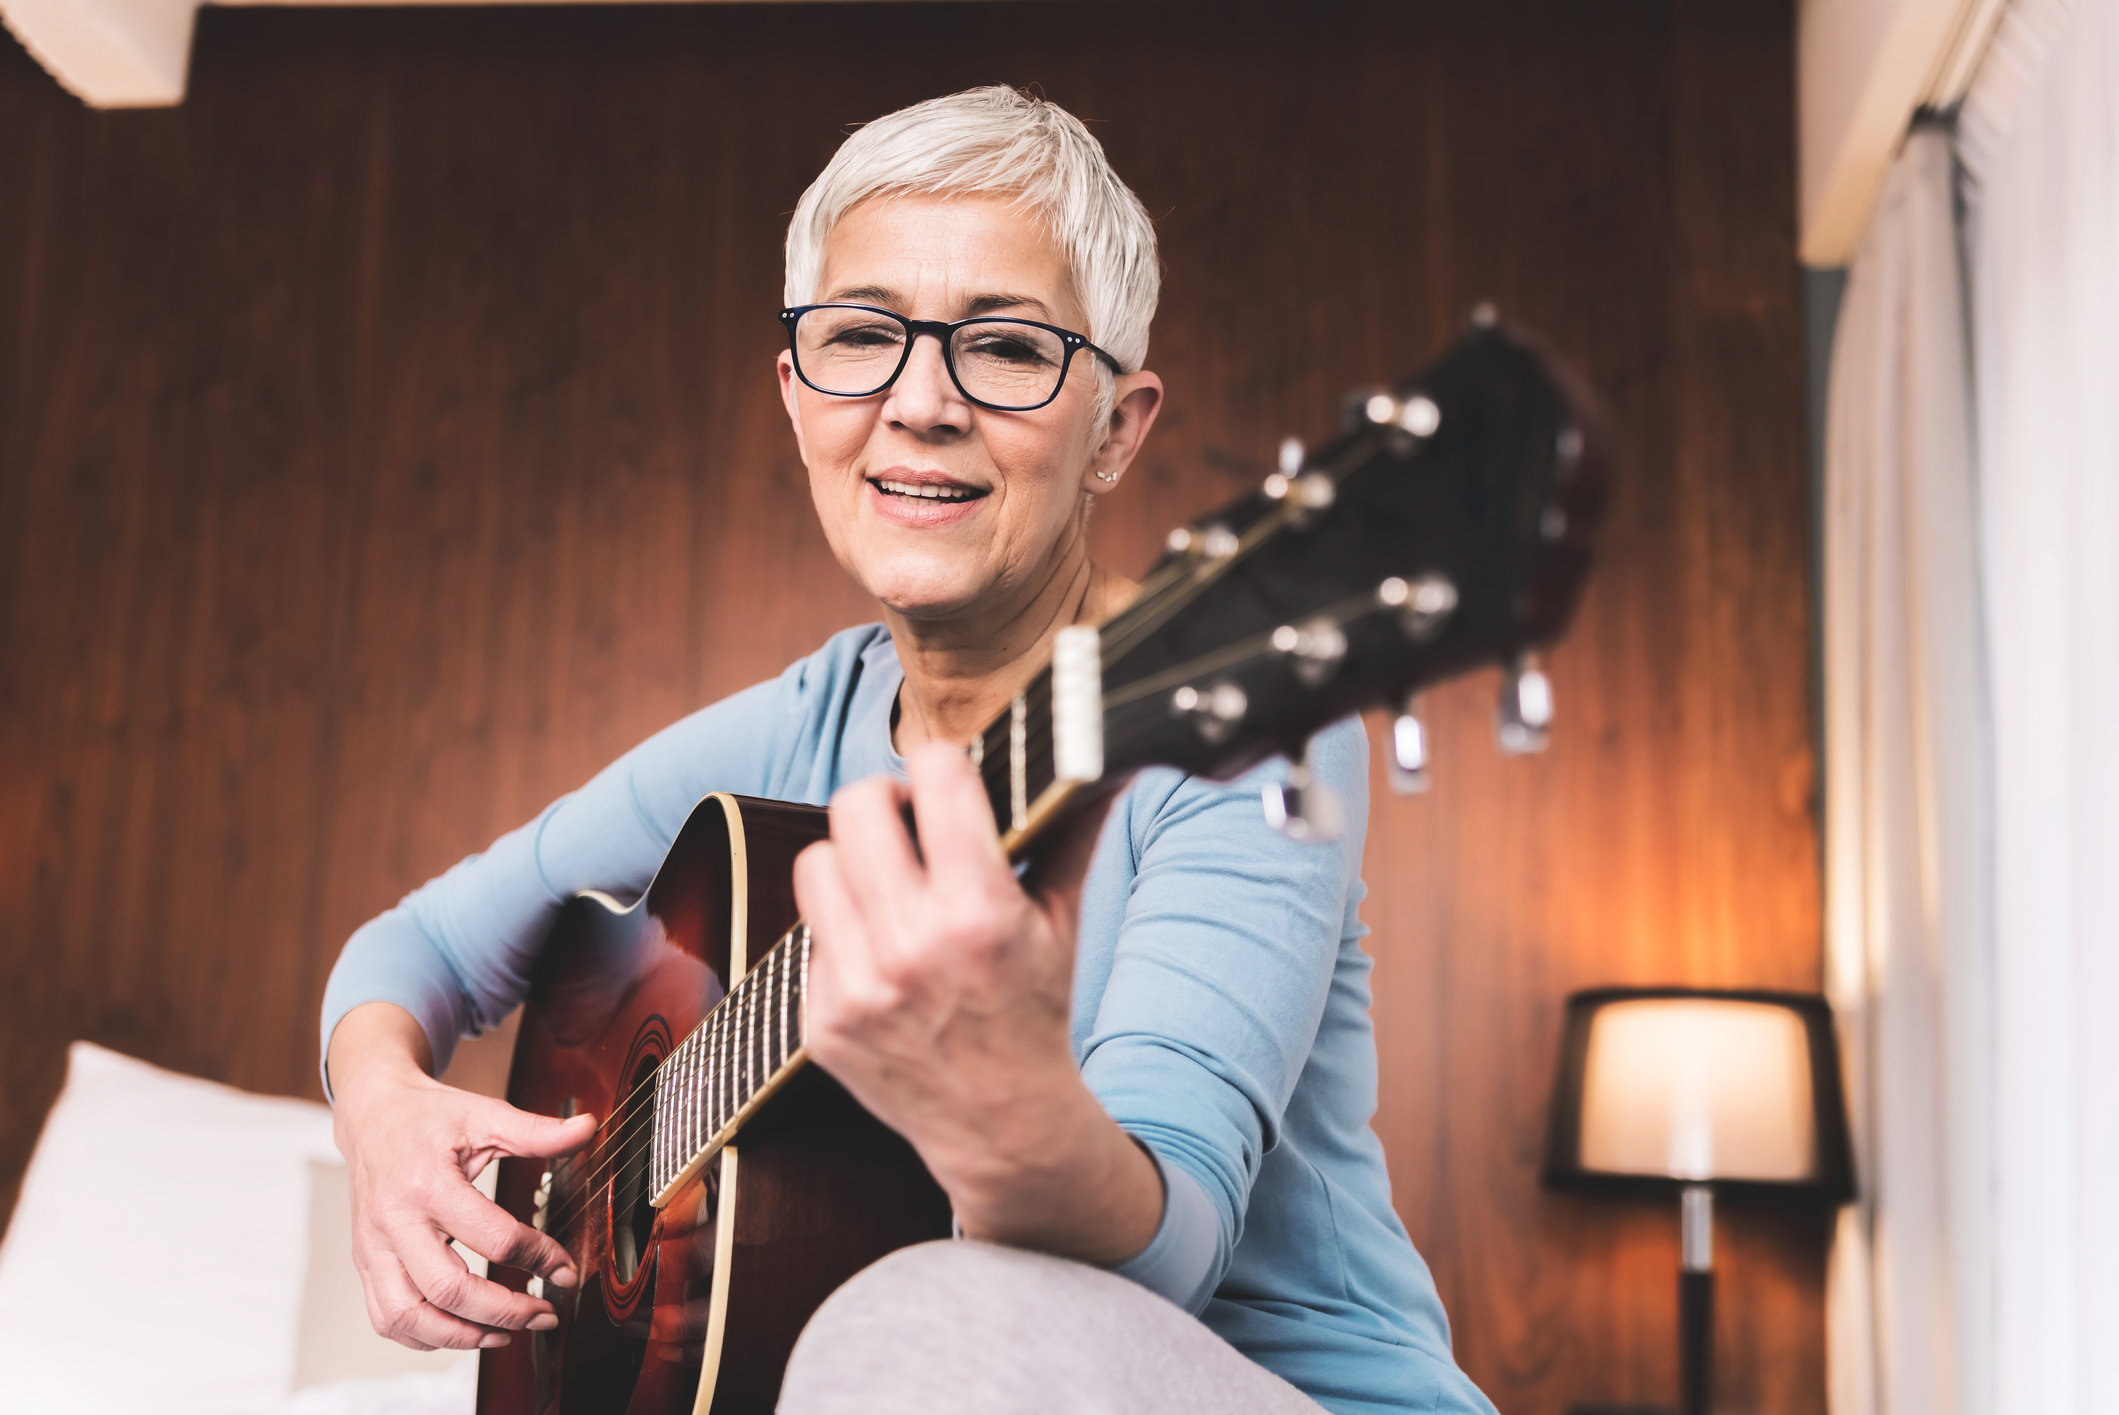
(732, 1186)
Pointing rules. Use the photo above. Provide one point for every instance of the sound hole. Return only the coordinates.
(632, 1209)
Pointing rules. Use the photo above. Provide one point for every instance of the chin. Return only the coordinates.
(926, 591)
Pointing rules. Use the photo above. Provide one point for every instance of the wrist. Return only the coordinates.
(376, 1048)
(1080, 1188)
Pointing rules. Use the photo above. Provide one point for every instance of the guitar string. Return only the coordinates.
(1133, 703)
(641, 1119)
(1181, 585)
(588, 1190)
(641, 1126)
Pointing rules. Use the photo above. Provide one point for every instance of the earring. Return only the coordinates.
(1111, 477)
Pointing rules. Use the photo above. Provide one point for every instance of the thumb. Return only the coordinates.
(517, 1132)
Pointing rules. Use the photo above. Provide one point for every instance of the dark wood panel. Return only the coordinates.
(387, 440)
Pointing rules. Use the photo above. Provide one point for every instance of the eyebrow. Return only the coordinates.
(976, 305)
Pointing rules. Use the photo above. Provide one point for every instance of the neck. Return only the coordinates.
(961, 672)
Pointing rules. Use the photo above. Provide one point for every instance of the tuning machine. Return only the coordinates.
(1523, 717)
(1214, 711)
(1424, 603)
(1410, 749)
(1302, 807)
(1315, 647)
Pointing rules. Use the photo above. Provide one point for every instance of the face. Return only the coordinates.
(942, 509)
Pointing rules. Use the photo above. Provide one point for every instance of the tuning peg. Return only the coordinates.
(1409, 759)
(1315, 648)
(1291, 456)
(1424, 603)
(1215, 712)
(1523, 718)
(1302, 807)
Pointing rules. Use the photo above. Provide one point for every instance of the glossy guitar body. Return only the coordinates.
(693, 1306)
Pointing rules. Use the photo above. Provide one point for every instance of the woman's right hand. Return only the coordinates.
(413, 1147)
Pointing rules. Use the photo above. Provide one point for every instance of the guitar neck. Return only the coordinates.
(747, 1048)
(1446, 527)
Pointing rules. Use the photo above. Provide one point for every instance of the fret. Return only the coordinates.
(1018, 763)
(693, 1110)
(680, 1100)
(764, 1024)
(720, 1066)
(659, 1145)
(784, 980)
(674, 1141)
(765, 1009)
(712, 1069)
(680, 1127)
(741, 1075)
(777, 987)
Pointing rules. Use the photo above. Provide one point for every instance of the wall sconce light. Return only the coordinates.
(1690, 1091)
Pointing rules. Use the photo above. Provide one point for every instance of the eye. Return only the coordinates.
(873, 334)
(1005, 347)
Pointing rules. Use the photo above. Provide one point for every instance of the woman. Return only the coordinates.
(1152, 1078)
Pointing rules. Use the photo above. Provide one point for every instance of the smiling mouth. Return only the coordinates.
(924, 491)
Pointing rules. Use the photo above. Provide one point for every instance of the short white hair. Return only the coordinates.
(999, 139)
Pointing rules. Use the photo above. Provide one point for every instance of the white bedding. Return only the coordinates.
(182, 1247)
(451, 1391)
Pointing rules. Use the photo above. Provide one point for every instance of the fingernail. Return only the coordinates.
(544, 1321)
(565, 1277)
(492, 1339)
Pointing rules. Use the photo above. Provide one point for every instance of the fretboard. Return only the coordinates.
(713, 1079)
(751, 1042)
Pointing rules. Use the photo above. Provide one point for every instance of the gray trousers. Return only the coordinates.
(968, 1328)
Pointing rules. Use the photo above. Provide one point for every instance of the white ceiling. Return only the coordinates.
(135, 53)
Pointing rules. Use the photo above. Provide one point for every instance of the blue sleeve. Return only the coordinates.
(457, 952)
(1218, 982)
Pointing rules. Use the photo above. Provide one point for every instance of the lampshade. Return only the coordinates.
(1662, 1087)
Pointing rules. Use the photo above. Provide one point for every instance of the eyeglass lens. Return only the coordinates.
(856, 352)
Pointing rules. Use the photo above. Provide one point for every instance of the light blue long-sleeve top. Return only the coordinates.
(1221, 1007)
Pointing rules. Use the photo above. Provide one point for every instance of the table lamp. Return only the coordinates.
(1689, 1091)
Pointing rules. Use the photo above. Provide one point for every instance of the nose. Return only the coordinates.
(925, 400)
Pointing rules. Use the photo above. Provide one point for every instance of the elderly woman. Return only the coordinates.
(1150, 1082)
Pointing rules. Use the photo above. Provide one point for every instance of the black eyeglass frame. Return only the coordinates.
(943, 334)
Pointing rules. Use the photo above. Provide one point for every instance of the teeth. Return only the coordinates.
(928, 491)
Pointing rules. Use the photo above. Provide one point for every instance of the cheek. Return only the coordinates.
(833, 433)
(1044, 475)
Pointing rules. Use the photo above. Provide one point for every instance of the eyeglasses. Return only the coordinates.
(1008, 365)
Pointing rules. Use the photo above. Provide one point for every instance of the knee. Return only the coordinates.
(959, 1317)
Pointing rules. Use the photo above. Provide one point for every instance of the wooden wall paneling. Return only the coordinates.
(390, 442)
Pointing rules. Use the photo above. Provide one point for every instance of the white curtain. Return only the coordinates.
(1972, 767)
(2040, 145)
(1909, 955)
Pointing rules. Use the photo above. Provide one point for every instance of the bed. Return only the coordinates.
(184, 1247)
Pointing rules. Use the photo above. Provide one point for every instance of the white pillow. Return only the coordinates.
(156, 1256)
(336, 1342)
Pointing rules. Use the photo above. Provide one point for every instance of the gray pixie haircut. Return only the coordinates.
(999, 139)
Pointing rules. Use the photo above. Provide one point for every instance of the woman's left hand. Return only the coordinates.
(939, 995)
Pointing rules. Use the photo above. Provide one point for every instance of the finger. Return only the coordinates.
(440, 1275)
(398, 1311)
(497, 1236)
(842, 964)
(875, 855)
(499, 1128)
(955, 820)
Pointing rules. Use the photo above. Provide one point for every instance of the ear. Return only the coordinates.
(790, 398)
(1135, 400)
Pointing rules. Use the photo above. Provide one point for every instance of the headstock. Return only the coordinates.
(1446, 527)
